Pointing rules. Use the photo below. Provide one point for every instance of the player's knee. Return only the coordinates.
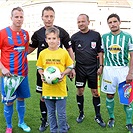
(20, 99)
(42, 99)
(94, 93)
(9, 103)
(80, 91)
(110, 96)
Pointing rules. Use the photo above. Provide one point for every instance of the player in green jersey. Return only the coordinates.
(118, 67)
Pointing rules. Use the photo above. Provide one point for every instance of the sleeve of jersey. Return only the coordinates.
(39, 63)
(34, 41)
(69, 62)
(66, 39)
(130, 44)
(73, 44)
(27, 44)
(99, 43)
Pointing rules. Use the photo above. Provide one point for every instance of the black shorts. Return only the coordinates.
(86, 73)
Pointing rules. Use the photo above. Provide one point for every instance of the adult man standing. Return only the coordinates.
(14, 43)
(117, 44)
(38, 41)
(86, 44)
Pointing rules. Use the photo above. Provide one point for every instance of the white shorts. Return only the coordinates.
(112, 76)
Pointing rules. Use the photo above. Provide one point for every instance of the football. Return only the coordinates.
(52, 75)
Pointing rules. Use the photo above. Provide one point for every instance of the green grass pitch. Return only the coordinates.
(32, 116)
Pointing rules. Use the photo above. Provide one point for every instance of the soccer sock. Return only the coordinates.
(96, 104)
(8, 112)
(110, 107)
(128, 110)
(20, 106)
(43, 110)
(80, 102)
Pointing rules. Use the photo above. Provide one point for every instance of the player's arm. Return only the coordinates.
(71, 53)
(66, 41)
(129, 77)
(66, 72)
(30, 49)
(34, 43)
(99, 71)
(72, 73)
(4, 71)
(40, 71)
(100, 51)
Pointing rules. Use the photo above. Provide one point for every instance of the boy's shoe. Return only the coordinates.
(8, 130)
(129, 128)
(100, 121)
(44, 125)
(24, 127)
(80, 118)
(111, 123)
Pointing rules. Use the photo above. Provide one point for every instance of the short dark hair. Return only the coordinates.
(52, 30)
(48, 8)
(113, 15)
(85, 15)
(16, 8)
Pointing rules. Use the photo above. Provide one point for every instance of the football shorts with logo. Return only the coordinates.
(112, 77)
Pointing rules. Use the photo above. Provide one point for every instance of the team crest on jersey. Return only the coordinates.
(114, 49)
(93, 44)
(25, 37)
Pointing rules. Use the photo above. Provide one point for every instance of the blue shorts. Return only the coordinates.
(23, 91)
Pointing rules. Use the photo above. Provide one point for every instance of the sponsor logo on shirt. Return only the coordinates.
(114, 49)
(107, 81)
(79, 45)
(9, 37)
(43, 45)
(19, 48)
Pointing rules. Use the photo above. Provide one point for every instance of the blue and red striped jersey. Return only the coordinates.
(14, 50)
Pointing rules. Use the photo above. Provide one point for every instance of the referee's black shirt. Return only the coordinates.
(86, 47)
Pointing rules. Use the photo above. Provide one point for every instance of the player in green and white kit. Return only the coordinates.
(117, 46)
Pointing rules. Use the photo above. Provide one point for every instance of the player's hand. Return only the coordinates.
(129, 78)
(100, 70)
(42, 78)
(72, 74)
(62, 76)
(6, 72)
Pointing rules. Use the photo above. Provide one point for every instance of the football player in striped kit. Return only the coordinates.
(14, 43)
(118, 67)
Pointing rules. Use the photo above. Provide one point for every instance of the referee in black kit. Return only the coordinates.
(86, 44)
(38, 41)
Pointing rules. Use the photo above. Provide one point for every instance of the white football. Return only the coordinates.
(52, 75)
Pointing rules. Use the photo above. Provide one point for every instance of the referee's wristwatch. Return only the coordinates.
(101, 65)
